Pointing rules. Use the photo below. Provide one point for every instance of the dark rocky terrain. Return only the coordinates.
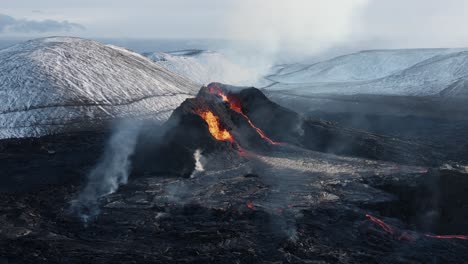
(438, 122)
(303, 200)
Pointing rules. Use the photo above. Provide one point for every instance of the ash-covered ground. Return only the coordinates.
(191, 198)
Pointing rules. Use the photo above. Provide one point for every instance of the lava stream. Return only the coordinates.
(382, 224)
(407, 236)
(218, 132)
(448, 236)
(214, 126)
(235, 105)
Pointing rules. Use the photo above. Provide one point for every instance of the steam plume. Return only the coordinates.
(276, 31)
(298, 26)
(111, 172)
(198, 163)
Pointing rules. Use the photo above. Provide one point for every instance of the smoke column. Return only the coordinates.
(198, 163)
(111, 172)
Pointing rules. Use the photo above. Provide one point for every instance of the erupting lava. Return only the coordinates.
(214, 126)
(235, 105)
(403, 235)
(217, 131)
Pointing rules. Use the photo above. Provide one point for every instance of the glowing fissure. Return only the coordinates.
(407, 236)
(235, 105)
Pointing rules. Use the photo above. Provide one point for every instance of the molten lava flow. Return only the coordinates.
(382, 224)
(407, 236)
(218, 132)
(215, 127)
(235, 105)
(448, 236)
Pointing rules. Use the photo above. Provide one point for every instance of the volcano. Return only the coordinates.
(233, 177)
(231, 120)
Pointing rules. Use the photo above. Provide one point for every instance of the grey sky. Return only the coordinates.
(395, 23)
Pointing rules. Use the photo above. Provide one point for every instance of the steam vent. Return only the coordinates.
(231, 177)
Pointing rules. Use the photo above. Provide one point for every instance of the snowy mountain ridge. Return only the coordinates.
(397, 72)
(58, 84)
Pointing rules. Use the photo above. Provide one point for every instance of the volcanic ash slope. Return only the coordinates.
(60, 84)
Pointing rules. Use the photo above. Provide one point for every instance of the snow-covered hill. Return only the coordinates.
(401, 72)
(203, 66)
(58, 84)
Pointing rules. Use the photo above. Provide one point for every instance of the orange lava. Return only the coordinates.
(403, 235)
(235, 105)
(215, 127)
(218, 132)
(251, 206)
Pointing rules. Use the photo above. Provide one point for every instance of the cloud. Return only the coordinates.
(419, 23)
(12, 25)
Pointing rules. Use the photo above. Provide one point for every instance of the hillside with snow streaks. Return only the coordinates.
(398, 72)
(59, 84)
(203, 66)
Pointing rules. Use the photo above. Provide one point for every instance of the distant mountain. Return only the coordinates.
(202, 66)
(397, 72)
(457, 89)
(59, 84)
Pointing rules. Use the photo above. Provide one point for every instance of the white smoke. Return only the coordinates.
(267, 32)
(303, 27)
(111, 172)
(199, 160)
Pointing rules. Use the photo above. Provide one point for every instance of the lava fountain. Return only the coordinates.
(235, 105)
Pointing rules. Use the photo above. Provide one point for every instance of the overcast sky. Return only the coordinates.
(302, 24)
